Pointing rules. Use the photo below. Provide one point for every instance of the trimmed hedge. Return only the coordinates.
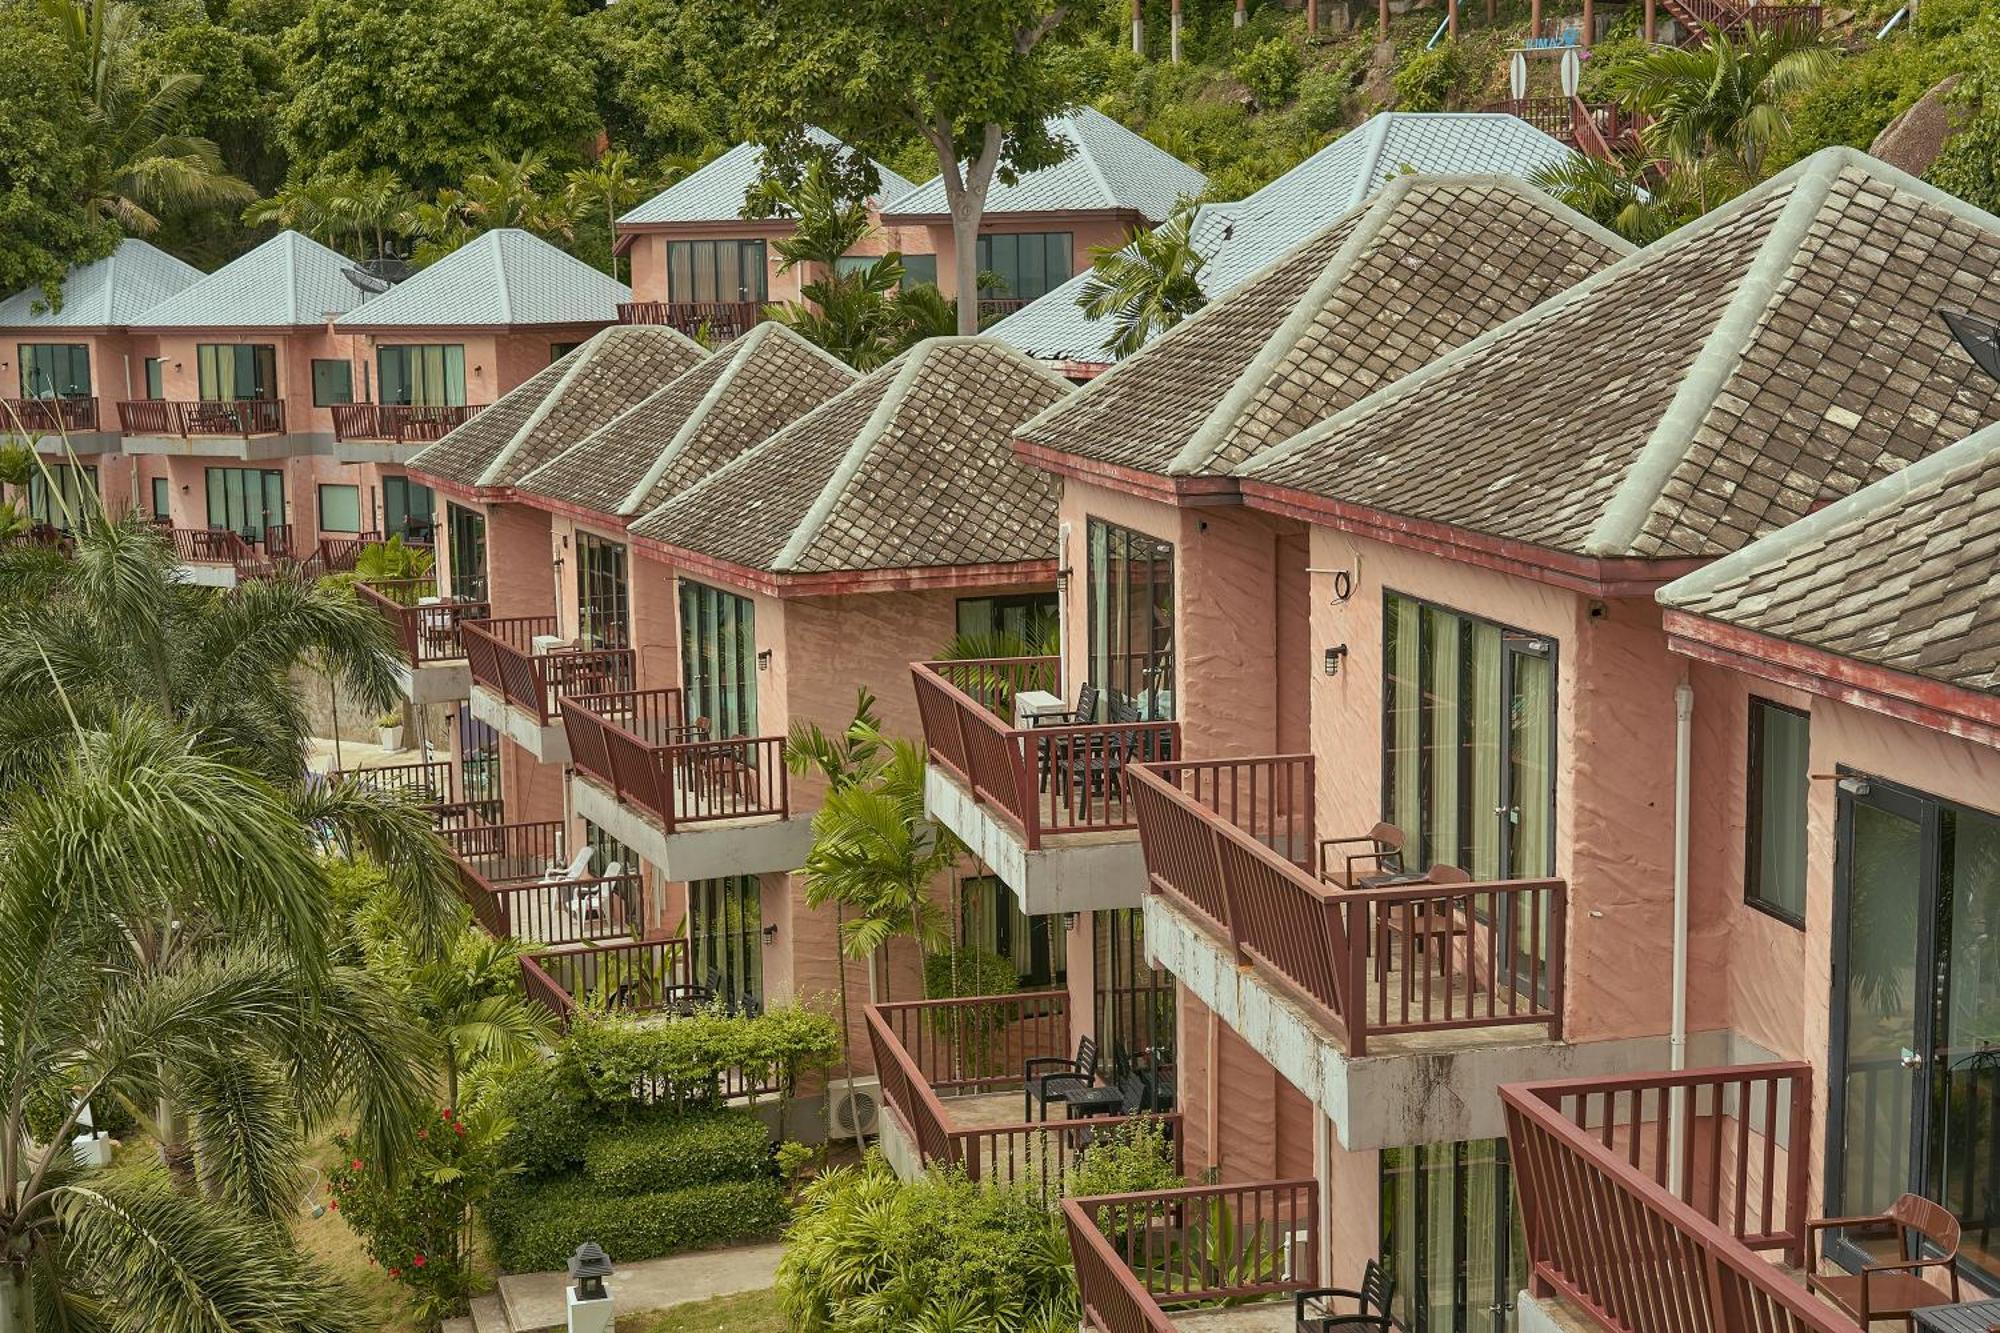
(674, 1154)
(536, 1227)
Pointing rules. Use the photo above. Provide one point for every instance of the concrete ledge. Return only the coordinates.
(1435, 1087)
(208, 576)
(435, 682)
(375, 451)
(1071, 872)
(549, 744)
(898, 1144)
(254, 449)
(755, 846)
(1553, 1315)
(84, 444)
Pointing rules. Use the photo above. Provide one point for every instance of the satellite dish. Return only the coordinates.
(1572, 72)
(1517, 77)
(1979, 337)
(367, 281)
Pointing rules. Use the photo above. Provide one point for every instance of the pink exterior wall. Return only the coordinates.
(1085, 232)
(494, 362)
(297, 349)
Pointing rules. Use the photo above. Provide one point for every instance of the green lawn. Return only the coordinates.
(751, 1312)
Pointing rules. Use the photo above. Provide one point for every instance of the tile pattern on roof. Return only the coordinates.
(621, 367)
(910, 468)
(1428, 266)
(701, 420)
(1242, 238)
(108, 292)
(1630, 418)
(290, 281)
(506, 276)
(1903, 576)
(715, 191)
(466, 451)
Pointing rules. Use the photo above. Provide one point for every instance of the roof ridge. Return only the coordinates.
(1089, 158)
(496, 466)
(501, 285)
(1795, 536)
(1376, 138)
(850, 461)
(752, 343)
(1624, 514)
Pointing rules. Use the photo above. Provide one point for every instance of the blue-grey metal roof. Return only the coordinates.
(1241, 238)
(506, 277)
(715, 192)
(290, 281)
(106, 293)
(1110, 169)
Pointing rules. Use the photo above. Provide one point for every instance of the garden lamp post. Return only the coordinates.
(589, 1302)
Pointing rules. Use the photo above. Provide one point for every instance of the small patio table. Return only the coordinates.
(1969, 1317)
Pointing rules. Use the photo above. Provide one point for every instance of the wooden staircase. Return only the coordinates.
(1701, 21)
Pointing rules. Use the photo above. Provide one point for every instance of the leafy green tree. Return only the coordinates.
(1147, 285)
(45, 160)
(975, 80)
(663, 75)
(434, 89)
(605, 188)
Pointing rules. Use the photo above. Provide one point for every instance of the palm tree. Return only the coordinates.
(1147, 285)
(508, 192)
(470, 999)
(139, 169)
(606, 183)
(1724, 105)
(310, 206)
(371, 203)
(1611, 195)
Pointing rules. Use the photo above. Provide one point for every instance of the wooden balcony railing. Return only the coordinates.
(1703, 20)
(427, 782)
(499, 852)
(505, 875)
(160, 416)
(992, 308)
(1365, 962)
(1649, 1200)
(217, 546)
(338, 554)
(1043, 780)
(722, 320)
(1140, 1256)
(468, 814)
(399, 423)
(640, 745)
(929, 1052)
(630, 977)
(502, 657)
(429, 631)
(48, 415)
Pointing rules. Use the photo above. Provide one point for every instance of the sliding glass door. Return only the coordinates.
(423, 374)
(726, 938)
(1135, 1006)
(245, 500)
(465, 535)
(1916, 1023)
(604, 609)
(1130, 598)
(1450, 1238)
(719, 659)
(236, 372)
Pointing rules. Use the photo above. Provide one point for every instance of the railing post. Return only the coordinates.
(1353, 961)
(1558, 944)
(1798, 1166)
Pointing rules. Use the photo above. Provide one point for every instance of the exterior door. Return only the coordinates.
(1527, 812)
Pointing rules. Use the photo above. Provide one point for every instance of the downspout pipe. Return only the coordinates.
(1677, 1034)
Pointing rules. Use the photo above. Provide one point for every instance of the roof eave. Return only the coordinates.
(396, 330)
(1194, 491)
(1115, 214)
(844, 582)
(1932, 704)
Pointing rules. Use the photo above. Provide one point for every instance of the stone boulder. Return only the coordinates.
(1913, 140)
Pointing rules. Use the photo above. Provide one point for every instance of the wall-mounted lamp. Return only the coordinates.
(770, 933)
(1334, 656)
(1069, 920)
(764, 660)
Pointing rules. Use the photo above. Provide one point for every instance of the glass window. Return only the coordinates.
(557, 351)
(478, 758)
(432, 375)
(1469, 715)
(162, 499)
(156, 378)
(721, 270)
(604, 614)
(333, 382)
(1028, 617)
(1774, 876)
(990, 918)
(1135, 1006)
(340, 509)
(719, 659)
(407, 509)
(1451, 1238)
(59, 498)
(466, 535)
(1028, 264)
(234, 372)
(919, 269)
(55, 370)
(726, 938)
(245, 500)
(1131, 613)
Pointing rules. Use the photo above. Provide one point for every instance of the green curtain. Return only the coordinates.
(1483, 728)
(1405, 761)
(423, 374)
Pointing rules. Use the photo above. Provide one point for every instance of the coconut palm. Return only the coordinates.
(510, 192)
(1723, 105)
(311, 207)
(470, 999)
(1147, 285)
(139, 169)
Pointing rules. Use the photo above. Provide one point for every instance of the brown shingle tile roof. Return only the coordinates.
(560, 405)
(1430, 263)
(1770, 357)
(1903, 574)
(693, 425)
(909, 468)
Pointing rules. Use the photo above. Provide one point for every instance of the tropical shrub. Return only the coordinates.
(617, 1058)
(538, 1226)
(1270, 70)
(678, 1152)
(549, 1117)
(1427, 79)
(1134, 1158)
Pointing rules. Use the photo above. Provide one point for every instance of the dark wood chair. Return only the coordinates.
(1370, 1304)
(1048, 1079)
(1893, 1289)
(1426, 921)
(1084, 713)
(1381, 852)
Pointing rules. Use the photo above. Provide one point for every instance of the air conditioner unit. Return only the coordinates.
(543, 644)
(858, 1107)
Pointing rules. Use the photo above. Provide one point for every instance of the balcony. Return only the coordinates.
(431, 665)
(951, 1074)
(513, 877)
(718, 321)
(695, 807)
(392, 432)
(521, 671)
(242, 429)
(1045, 807)
(427, 782)
(1222, 1258)
(217, 557)
(49, 416)
(1655, 1203)
(1371, 997)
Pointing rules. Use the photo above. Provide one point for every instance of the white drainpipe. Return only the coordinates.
(1677, 1038)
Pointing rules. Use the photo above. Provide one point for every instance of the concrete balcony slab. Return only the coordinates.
(547, 742)
(1069, 872)
(436, 682)
(711, 849)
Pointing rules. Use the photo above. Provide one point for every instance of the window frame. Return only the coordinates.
(690, 275)
(400, 390)
(162, 486)
(1043, 243)
(603, 592)
(1113, 683)
(1754, 758)
(465, 535)
(347, 370)
(263, 371)
(319, 506)
(69, 353)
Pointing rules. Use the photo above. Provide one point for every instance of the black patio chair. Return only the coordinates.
(1053, 1079)
(1370, 1301)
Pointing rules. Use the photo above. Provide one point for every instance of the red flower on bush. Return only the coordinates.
(354, 1165)
(423, 1133)
(417, 1261)
(395, 1272)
